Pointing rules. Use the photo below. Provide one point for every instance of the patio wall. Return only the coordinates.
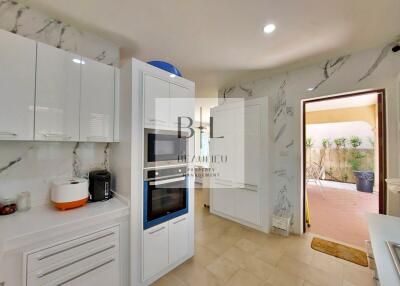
(336, 163)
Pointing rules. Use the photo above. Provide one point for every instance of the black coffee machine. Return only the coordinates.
(99, 185)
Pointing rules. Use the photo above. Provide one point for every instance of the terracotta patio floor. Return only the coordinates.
(340, 214)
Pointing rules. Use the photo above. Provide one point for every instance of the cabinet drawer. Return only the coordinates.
(155, 251)
(72, 249)
(99, 269)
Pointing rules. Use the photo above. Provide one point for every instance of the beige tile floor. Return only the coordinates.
(230, 254)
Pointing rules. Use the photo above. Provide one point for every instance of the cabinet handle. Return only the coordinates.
(178, 221)
(85, 272)
(248, 185)
(157, 120)
(157, 230)
(6, 133)
(64, 136)
(43, 274)
(41, 257)
(96, 137)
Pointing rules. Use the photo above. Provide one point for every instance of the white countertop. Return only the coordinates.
(23, 226)
(383, 228)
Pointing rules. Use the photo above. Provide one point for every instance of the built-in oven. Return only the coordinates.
(164, 147)
(165, 195)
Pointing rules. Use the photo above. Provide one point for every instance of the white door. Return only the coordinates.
(17, 86)
(247, 206)
(155, 250)
(58, 78)
(97, 102)
(182, 105)
(178, 238)
(156, 102)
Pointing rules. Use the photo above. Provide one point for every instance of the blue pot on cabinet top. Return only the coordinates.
(165, 66)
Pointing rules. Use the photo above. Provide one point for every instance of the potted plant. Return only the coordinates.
(364, 179)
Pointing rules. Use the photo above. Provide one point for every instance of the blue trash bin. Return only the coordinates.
(364, 181)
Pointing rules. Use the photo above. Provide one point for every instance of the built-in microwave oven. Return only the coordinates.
(165, 195)
(164, 147)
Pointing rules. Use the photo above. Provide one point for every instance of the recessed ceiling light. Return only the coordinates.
(268, 29)
(172, 75)
(310, 89)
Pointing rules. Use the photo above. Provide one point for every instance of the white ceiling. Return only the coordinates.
(214, 42)
(344, 102)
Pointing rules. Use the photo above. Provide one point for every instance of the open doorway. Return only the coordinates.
(344, 164)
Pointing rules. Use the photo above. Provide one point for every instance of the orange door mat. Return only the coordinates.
(340, 251)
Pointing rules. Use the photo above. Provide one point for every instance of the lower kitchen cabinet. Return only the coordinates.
(178, 239)
(102, 273)
(164, 245)
(91, 259)
(155, 250)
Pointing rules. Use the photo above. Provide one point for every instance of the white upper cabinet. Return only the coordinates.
(58, 76)
(97, 102)
(116, 104)
(156, 102)
(17, 85)
(182, 105)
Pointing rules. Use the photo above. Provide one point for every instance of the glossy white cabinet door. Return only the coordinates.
(252, 147)
(116, 104)
(17, 86)
(223, 148)
(58, 77)
(182, 105)
(156, 102)
(155, 250)
(178, 238)
(97, 102)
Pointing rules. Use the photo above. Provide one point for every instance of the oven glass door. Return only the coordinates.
(166, 198)
(165, 147)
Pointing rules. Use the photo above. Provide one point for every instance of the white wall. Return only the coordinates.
(370, 69)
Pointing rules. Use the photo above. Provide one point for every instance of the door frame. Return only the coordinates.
(381, 101)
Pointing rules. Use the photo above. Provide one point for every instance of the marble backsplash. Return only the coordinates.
(32, 166)
(21, 19)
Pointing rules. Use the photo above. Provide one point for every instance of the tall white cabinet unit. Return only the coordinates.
(17, 86)
(97, 102)
(58, 83)
(158, 249)
(239, 191)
